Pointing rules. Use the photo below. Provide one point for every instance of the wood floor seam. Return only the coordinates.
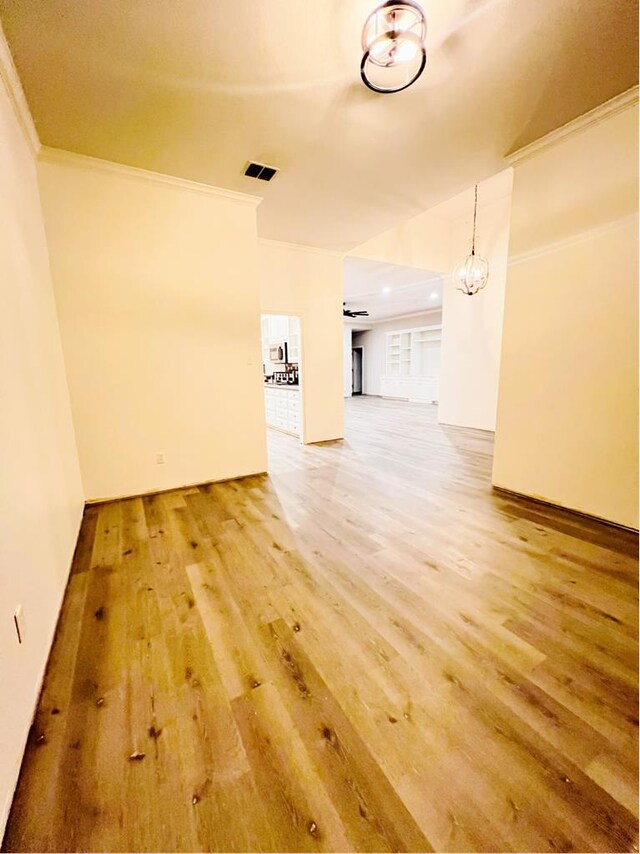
(368, 649)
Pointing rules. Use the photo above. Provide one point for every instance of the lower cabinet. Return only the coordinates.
(411, 388)
(282, 409)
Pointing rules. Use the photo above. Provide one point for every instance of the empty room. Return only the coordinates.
(319, 425)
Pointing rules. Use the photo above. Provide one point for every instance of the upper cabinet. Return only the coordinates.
(276, 329)
(293, 338)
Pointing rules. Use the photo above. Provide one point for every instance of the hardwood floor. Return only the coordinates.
(368, 650)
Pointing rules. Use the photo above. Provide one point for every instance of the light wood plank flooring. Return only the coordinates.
(367, 650)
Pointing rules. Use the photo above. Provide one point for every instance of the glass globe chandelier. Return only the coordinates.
(393, 43)
(472, 274)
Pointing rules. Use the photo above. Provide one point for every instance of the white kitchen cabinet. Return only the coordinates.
(276, 329)
(282, 409)
(293, 338)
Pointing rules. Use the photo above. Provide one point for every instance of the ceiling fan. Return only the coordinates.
(349, 312)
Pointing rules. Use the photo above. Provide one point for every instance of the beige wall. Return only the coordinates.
(40, 489)
(472, 328)
(424, 241)
(567, 428)
(158, 298)
(437, 240)
(308, 282)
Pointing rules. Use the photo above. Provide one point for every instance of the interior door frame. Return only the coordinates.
(301, 365)
(361, 348)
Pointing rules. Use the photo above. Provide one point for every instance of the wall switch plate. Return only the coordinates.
(19, 623)
(160, 458)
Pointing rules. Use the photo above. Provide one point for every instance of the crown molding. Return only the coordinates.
(11, 80)
(615, 105)
(301, 247)
(95, 164)
(360, 322)
(411, 314)
(573, 240)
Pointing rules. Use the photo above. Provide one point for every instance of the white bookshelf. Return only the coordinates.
(412, 369)
(399, 354)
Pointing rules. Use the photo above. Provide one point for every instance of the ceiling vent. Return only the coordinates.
(259, 171)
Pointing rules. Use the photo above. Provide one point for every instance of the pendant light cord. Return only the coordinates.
(475, 211)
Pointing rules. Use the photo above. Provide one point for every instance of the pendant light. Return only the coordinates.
(393, 43)
(472, 274)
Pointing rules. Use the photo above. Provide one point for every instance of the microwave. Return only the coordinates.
(278, 352)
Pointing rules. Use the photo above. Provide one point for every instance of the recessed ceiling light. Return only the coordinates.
(434, 295)
(386, 289)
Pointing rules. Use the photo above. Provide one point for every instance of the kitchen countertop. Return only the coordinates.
(282, 386)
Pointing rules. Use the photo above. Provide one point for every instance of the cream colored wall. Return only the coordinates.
(158, 298)
(567, 429)
(41, 496)
(437, 240)
(424, 241)
(308, 282)
(472, 329)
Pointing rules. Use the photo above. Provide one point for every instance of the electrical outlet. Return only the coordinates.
(160, 458)
(18, 621)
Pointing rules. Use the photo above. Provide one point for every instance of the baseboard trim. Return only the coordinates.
(466, 427)
(92, 502)
(571, 510)
(325, 441)
(6, 810)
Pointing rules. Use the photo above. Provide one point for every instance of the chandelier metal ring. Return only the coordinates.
(390, 12)
(368, 58)
(393, 44)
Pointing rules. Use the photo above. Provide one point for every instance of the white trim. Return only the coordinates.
(301, 247)
(572, 240)
(6, 809)
(550, 502)
(413, 329)
(95, 164)
(11, 80)
(609, 108)
(357, 324)
(403, 316)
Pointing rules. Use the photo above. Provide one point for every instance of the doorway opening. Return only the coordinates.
(392, 331)
(356, 370)
(282, 373)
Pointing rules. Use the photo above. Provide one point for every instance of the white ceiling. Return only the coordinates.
(388, 290)
(195, 88)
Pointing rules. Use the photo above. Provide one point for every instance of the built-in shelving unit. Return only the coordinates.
(412, 364)
(398, 354)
